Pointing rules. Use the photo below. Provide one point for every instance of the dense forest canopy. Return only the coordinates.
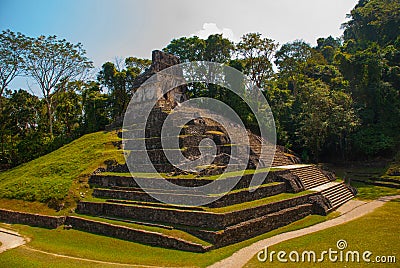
(339, 100)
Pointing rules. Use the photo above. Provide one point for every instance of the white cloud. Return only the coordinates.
(212, 28)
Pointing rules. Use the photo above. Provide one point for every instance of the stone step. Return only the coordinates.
(338, 195)
(339, 202)
(203, 219)
(155, 205)
(134, 234)
(333, 188)
(336, 190)
(175, 197)
(339, 199)
(191, 190)
(334, 195)
(261, 225)
(310, 176)
(109, 181)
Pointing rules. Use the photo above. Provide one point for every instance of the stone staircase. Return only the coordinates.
(310, 176)
(337, 194)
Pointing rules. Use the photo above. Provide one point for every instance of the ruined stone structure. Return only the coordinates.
(220, 222)
(161, 61)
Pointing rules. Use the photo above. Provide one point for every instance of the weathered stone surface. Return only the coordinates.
(161, 61)
(45, 221)
(135, 235)
(107, 181)
(185, 217)
(226, 200)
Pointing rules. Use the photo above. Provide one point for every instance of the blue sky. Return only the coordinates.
(122, 28)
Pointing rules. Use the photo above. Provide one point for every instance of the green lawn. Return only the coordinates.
(377, 232)
(53, 177)
(371, 192)
(80, 244)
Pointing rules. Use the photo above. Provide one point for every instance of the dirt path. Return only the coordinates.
(350, 211)
(10, 239)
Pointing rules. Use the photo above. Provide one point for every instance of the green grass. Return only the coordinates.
(366, 191)
(51, 177)
(90, 246)
(23, 257)
(25, 206)
(377, 232)
(371, 192)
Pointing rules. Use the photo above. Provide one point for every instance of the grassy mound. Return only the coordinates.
(53, 177)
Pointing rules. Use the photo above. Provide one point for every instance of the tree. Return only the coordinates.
(291, 60)
(20, 120)
(12, 50)
(116, 83)
(68, 106)
(50, 60)
(218, 49)
(257, 54)
(187, 48)
(137, 65)
(94, 105)
(328, 47)
(374, 21)
(134, 67)
(370, 60)
(325, 116)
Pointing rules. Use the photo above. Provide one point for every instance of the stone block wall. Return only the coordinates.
(126, 181)
(38, 220)
(135, 235)
(258, 226)
(226, 200)
(253, 227)
(168, 216)
(186, 217)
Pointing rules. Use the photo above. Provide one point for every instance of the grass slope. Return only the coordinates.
(377, 232)
(52, 177)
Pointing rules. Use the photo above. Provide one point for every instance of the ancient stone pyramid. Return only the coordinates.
(289, 190)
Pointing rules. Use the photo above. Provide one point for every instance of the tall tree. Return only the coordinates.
(187, 48)
(291, 60)
(324, 116)
(12, 50)
(374, 21)
(116, 83)
(370, 60)
(138, 65)
(257, 54)
(68, 106)
(94, 103)
(50, 60)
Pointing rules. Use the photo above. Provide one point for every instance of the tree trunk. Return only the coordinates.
(50, 115)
